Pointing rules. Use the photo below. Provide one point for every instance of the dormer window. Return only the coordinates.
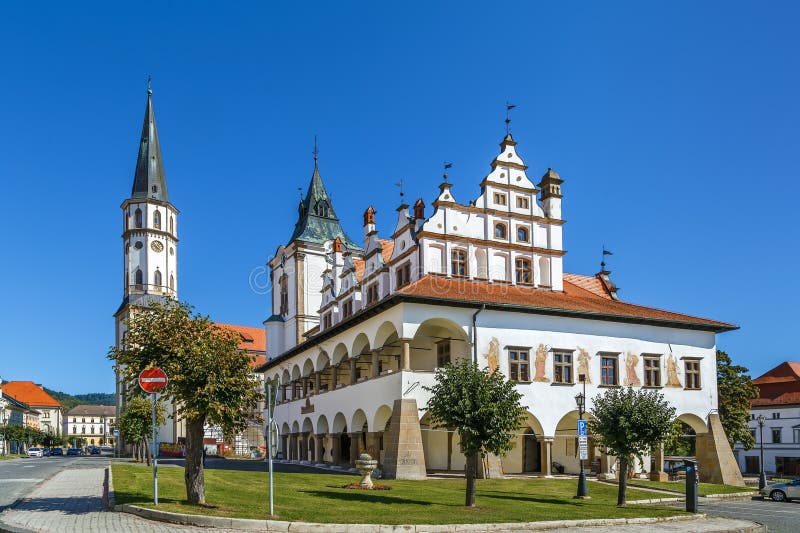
(523, 271)
(321, 208)
(458, 263)
(522, 202)
(499, 198)
(500, 231)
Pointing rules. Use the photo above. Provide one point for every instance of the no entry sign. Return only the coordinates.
(152, 380)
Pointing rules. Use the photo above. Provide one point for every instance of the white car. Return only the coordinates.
(35, 452)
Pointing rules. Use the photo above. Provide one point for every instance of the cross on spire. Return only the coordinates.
(316, 151)
(149, 84)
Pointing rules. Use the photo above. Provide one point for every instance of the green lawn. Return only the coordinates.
(320, 498)
(680, 486)
(6, 457)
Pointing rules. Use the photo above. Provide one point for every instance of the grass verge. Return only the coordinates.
(7, 457)
(320, 498)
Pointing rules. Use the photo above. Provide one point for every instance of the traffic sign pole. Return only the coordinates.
(153, 381)
(269, 445)
(155, 454)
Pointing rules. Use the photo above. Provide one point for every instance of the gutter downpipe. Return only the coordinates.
(475, 333)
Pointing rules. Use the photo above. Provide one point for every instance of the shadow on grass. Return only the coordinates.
(532, 499)
(362, 496)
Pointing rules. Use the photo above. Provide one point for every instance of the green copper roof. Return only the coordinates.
(316, 221)
(149, 180)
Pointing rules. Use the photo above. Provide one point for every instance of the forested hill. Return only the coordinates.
(69, 401)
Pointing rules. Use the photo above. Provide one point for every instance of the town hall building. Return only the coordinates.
(360, 325)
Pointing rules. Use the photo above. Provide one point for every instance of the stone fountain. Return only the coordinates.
(365, 465)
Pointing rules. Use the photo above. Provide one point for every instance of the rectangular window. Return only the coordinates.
(347, 309)
(519, 365)
(562, 367)
(753, 433)
(522, 202)
(795, 435)
(776, 415)
(692, 374)
(326, 321)
(458, 263)
(403, 275)
(442, 353)
(776, 435)
(608, 370)
(499, 198)
(652, 370)
(372, 294)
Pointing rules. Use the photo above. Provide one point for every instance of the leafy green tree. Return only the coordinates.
(135, 424)
(482, 407)
(210, 377)
(735, 390)
(630, 423)
(680, 440)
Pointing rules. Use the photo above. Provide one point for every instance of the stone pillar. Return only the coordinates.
(606, 463)
(319, 448)
(335, 447)
(334, 376)
(657, 472)
(406, 360)
(404, 457)
(716, 462)
(375, 364)
(293, 447)
(355, 447)
(317, 381)
(353, 370)
(546, 446)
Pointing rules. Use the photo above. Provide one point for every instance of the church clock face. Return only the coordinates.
(156, 246)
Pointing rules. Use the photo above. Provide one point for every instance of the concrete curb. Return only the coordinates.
(108, 490)
(310, 527)
(730, 495)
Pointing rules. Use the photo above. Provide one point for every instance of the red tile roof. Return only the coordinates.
(779, 386)
(589, 283)
(387, 248)
(253, 339)
(30, 393)
(574, 300)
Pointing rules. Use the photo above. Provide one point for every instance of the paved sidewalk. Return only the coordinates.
(72, 501)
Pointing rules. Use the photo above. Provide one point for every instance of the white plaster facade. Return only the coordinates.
(481, 280)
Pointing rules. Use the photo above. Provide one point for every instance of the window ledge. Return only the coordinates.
(556, 384)
(609, 386)
(652, 386)
(698, 388)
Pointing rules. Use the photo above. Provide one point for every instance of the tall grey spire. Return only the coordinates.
(149, 180)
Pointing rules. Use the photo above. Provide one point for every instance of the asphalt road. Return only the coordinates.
(19, 476)
(778, 517)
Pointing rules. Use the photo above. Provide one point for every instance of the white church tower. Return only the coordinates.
(149, 235)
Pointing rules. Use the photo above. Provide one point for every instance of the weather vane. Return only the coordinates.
(509, 107)
(400, 184)
(316, 150)
(603, 259)
(446, 166)
(149, 86)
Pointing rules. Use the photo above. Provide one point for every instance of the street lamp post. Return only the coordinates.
(762, 478)
(580, 400)
(3, 420)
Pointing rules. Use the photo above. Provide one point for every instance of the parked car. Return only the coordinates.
(56, 451)
(782, 492)
(45, 452)
(74, 451)
(35, 452)
(94, 450)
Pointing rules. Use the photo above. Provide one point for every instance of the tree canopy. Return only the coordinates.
(630, 423)
(210, 379)
(735, 390)
(135, 423)
(484, 408)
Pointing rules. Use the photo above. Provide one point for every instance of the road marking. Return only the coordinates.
(22, 480)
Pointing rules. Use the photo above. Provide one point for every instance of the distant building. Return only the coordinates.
(94, 423)
(14, 413)
(50, 411)
(779, 404)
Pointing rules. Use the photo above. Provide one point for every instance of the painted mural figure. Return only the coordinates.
(493, 356)
(631, 378)
(540, 363)
(583, 364)
(672, 372)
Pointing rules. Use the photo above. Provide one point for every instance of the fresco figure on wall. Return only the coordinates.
(672, 372)
(540, 363)
(493, 355)
(583, 364)
(631, 378)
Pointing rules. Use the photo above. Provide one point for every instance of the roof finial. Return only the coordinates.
(149, 85)
(603, 259)
(316, 151)
(400, 184)
(446, 166)
(300, 193)
(509, 107)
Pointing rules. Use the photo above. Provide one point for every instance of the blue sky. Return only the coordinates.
(673, 124)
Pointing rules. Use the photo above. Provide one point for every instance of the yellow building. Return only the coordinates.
(93, 423)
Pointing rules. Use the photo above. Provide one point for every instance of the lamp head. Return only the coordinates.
(760, 420)
(580, 400)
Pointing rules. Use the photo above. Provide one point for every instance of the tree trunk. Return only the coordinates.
(193, 475)
(623, 482)
(135, 450)
(471, 473)
(147, 452)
